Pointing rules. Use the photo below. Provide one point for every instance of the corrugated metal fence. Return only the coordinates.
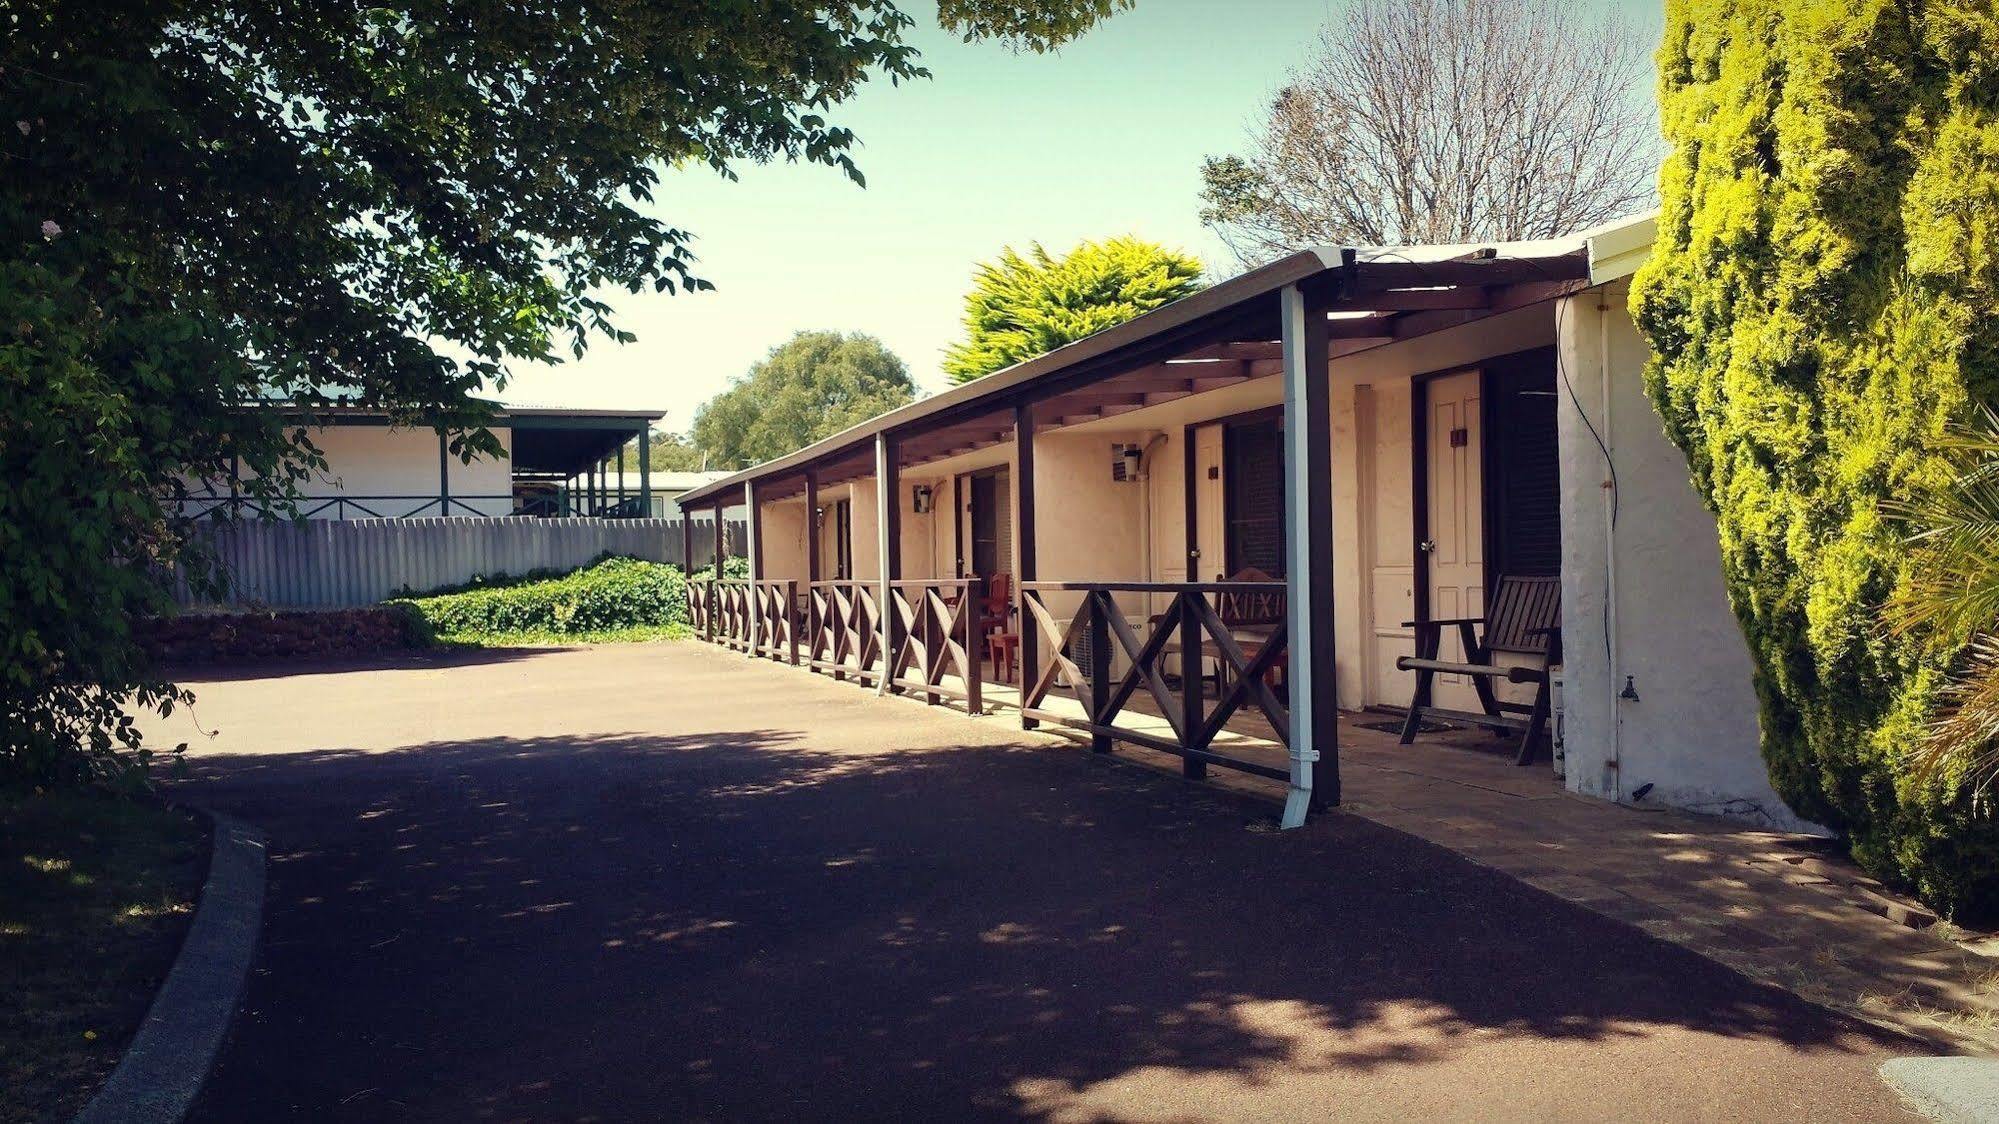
(326, 563)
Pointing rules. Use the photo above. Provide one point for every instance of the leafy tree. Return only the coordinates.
(1824, 305)
(1950, 600)
(813, 385)
(671, 452)
(208, 206)
(1442, 121)
(1020, 307)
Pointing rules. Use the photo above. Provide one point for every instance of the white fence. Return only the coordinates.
(326, 563)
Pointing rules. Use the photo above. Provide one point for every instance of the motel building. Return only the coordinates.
(1414, 495)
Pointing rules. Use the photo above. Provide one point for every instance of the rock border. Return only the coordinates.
(169, 1058)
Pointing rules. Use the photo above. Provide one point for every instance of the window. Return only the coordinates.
(1253, 494)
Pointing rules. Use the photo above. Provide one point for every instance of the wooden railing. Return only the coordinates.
(937, 624)
(775, 604)
(701, 607)
(843, 629)
(1200, 622)
(727, 617)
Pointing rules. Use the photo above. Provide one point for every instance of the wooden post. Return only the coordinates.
(789, 608)
(888, 482)
(1308, 543)
(1190, 681)
(645, 469)
(718, 538)
(1101, 606)
(686, 544)
(812, 562)
(1023, 545)
(756, 553)
(975, 672)
(443, 474)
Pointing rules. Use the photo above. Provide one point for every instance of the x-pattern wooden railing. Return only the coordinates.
(701, 607)
(936, 622)
(843, 629)
(731, 616)
(1190, 630)
(776, 607)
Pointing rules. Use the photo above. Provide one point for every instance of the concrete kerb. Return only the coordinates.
(1949, 1090)
(169, 1058)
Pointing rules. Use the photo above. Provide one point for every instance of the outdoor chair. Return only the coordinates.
(995, 607)
(1523, 618)
(1252, 619)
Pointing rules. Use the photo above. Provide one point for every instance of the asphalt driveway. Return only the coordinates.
(659, 882)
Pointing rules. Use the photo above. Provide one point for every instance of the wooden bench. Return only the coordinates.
(1523, 618)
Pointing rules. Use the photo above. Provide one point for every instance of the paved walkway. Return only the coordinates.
(1779, 907)
(663, 883)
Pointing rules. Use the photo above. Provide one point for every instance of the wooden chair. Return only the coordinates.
(1252, 619)
(995, 606)
(1523, 618)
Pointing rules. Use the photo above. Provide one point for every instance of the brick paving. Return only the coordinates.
(1773, 905)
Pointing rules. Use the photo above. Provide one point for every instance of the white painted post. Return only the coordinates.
(1308, 551)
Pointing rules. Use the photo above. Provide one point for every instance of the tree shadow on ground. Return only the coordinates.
(242, 671)
(745, 926)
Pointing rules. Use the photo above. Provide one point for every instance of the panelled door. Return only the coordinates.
(1453, 537)
(1209, 527)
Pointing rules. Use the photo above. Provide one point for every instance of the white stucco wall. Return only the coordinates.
(366, 460)
(1692, 732)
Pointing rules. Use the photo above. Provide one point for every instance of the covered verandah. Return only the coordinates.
(1135, 603)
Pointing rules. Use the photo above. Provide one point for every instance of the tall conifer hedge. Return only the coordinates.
(1824, 301)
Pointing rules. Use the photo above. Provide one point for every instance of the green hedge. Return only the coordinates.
(1823, 301)
(606, 596)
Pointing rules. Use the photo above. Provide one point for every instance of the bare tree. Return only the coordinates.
(1444, 121)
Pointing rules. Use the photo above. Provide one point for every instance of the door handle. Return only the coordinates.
(1427, 546)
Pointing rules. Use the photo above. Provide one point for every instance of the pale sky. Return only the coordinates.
(1104, 137)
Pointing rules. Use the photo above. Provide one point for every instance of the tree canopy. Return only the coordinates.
(1440, 122)
(1021, 306)
(208, 207)
(1822, 301)
(811, 386)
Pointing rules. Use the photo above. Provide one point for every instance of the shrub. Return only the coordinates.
(613, 594)
(1824, 303)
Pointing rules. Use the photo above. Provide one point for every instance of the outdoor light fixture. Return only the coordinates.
(919, 498)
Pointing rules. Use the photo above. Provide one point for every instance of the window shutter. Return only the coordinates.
(1523, 461)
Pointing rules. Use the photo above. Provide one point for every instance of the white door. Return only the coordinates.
(1384, 483)
(1212, 562)
(1454, 540)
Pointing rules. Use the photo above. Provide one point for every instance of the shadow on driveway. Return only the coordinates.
(755, 926)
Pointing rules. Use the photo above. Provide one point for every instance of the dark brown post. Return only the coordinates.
(968, 616)
(790, 620)
(1101, 606)
(686, 543)
(443, 474)
(718, 538)
(1023, 545)
(812, 562)
(1190, 682)
(888, 482)
(755, 519)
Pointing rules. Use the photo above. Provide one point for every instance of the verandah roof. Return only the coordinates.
(1224, 334)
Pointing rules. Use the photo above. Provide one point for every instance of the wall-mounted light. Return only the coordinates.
(919, 498)
(1134, 459)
